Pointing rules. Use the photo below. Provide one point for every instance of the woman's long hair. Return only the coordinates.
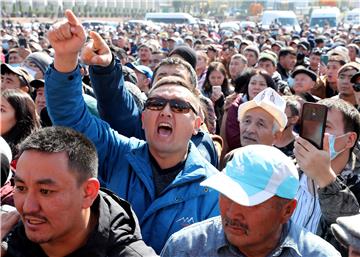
(26, 117)
(216, 66)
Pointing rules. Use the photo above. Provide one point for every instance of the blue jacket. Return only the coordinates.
(117, 106)
(124, 166)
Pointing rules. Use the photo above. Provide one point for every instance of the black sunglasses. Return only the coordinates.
(176, 105)
(356, 87)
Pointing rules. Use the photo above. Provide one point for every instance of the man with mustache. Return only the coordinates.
(257, 190)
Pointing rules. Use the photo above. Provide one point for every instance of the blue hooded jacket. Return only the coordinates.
(124, 166)
(117, 107)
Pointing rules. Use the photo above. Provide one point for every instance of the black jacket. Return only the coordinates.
(117, 233)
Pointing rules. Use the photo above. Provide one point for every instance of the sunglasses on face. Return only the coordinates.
(176, 105)
(356, 87)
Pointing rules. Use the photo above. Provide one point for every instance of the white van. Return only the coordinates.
(352, 17)
(285, 19)
(171, 18)
(319, 17)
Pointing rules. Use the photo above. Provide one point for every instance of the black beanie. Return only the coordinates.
(186, 53)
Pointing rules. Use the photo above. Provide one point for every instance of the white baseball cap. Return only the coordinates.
(270, 101)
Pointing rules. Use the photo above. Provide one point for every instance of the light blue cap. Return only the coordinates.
(142, 69)
(255, 174)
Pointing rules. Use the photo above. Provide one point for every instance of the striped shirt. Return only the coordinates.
(307, 213)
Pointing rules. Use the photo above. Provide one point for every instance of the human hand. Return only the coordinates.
(322, 69)
(24, 52)
(216, 93)
(8, 221)
(315, 163)
(96, 51)
(67, 38)
(229, 100)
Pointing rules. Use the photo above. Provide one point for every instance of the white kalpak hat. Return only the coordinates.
(270, 101)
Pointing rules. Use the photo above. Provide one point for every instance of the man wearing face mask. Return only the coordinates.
(37, 63)
(330, 183)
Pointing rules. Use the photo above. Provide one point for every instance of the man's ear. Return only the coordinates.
(277, 135)
(142, 120)
(26, 89)
(197, 125)
(91, 189)
(351, 139)
(295, 119)
(288, 210)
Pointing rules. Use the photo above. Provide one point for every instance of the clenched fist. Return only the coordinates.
(67, 38)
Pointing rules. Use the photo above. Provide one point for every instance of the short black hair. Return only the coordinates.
(284, 51)
(176, 61)
(351, 116)
(83, 159)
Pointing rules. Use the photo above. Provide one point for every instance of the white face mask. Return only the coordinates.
(333, 152)
(31, 71)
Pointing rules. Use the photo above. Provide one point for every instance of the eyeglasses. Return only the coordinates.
(176, 105)
(356, 87)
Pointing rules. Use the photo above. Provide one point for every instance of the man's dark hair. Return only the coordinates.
(242, 81)
(180, 62)
(81, 152)
(286, 50)
(351, 116)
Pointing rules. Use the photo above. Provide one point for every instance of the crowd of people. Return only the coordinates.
(179, 141)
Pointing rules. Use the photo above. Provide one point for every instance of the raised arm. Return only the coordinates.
(335, 198)
(63, 91)
(115, 103)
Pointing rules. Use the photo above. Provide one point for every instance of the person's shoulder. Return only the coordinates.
(195, 159)
(200, 233)
(309, 244)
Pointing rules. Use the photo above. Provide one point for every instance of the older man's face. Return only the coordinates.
(256, 127)
(252, 227)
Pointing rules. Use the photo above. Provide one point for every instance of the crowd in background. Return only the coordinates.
(231, 71)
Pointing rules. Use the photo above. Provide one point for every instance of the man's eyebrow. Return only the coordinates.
(18, 179)
(45, 181)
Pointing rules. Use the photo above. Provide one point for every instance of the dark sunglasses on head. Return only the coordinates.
(356, 87)
(176, 105)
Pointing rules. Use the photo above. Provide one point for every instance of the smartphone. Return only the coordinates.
(216, 89)
(324, 59)
(22, 42)
(313, 123)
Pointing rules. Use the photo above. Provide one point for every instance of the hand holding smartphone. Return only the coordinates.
(216, 94)
(313, 123)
